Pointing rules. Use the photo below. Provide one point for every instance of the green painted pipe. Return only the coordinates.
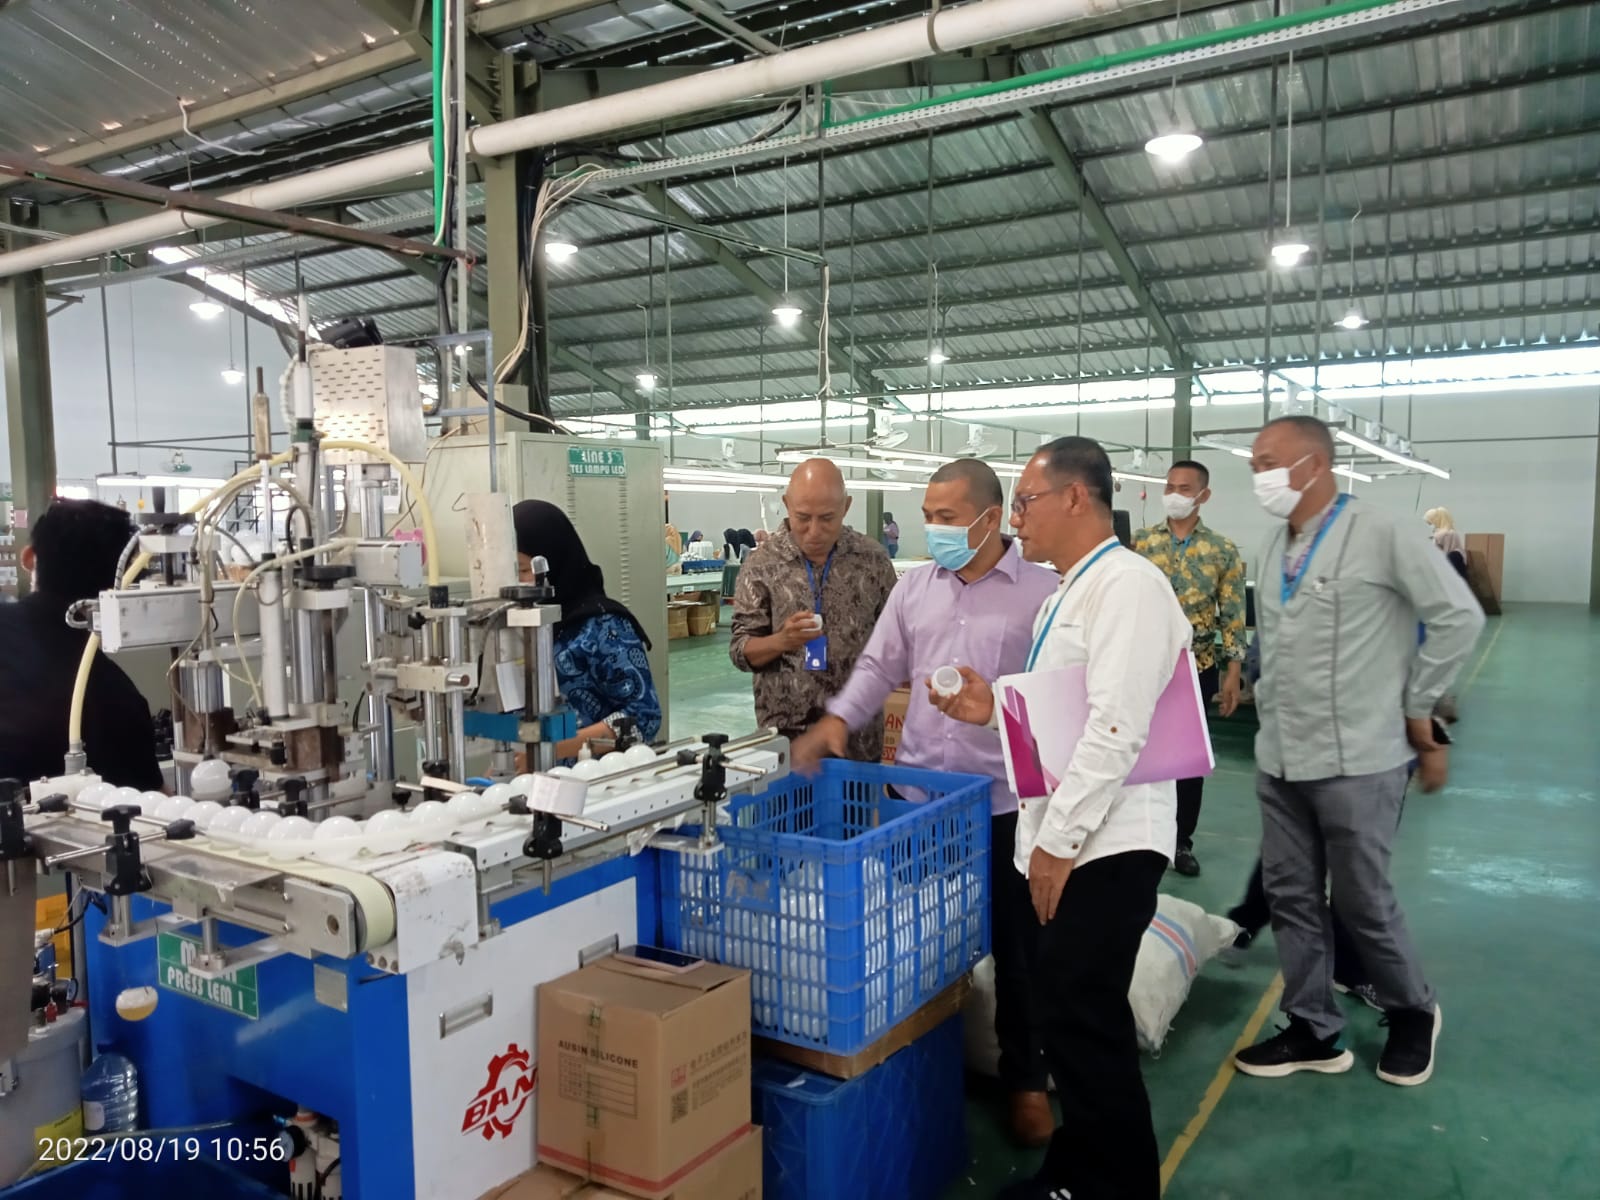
(1198, 41)
(437, 7)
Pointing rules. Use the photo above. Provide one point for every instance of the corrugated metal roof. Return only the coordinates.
(1476, 221)
(72, 70)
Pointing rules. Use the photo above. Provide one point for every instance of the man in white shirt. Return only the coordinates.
(1093, 852)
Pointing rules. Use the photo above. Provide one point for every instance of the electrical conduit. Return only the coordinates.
(944, 31)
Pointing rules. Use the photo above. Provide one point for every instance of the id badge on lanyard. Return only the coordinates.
(817, 648)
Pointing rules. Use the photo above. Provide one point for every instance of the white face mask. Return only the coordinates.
(1273, 492)
(1178, 505)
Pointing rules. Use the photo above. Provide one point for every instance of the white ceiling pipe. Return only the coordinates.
(949, 29)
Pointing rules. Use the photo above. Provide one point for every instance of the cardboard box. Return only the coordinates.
(1486, 562)
(734, 1174)
(678, 620)
(894, 721)
(645, 1074)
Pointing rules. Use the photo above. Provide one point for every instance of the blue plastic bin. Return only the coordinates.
(896, 1133)
(91, 1180)
(851, 908)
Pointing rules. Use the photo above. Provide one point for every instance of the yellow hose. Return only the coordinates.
(80, 685)
(430, 540)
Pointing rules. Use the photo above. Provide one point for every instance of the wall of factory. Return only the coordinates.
(166, 367)
(1522, 463)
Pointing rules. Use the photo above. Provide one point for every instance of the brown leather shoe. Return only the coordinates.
(1033, 1121)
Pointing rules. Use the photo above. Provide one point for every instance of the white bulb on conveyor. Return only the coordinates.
(127, 795)
(559, 771)
(256, 827)
(494, 799)
(336, 838)
(94, 796)
(388, 831)
(227, 822)
(210, 780)
(172, 808)
(587, 768)
(638, 756)
(151, 799)
(521, 784)
(289, 838)
(614, 761)
(463, 806)
(202, 813)
(432, 818)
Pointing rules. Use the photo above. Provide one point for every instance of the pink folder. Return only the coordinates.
(1043, 713)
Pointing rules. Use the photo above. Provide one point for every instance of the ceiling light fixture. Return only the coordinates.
(1352, 320)
(1132, 476)
(559, 251)
(169, 254)
(706, 489)
(710, 475)
(144, 481)
(1352, 473)
(232, 376)
(1288, 250)
(1174, 146)
(206, 310)
(1177, 143)
(937, 358)
(1361, 443)
(646, 381)
(787, 313)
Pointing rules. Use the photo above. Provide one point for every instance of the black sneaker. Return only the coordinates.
(1294, 1049)
(1407, 1058)
(1185, 863)
(1363, 992)
(1032, 1189)
(1234, 955)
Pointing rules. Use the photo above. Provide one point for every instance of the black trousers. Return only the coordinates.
(1014, 939)
(1189, 790)
(1105, 1147)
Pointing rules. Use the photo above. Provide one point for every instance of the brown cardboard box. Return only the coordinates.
(678, 620)
(734, 1174)
(894, 721)
(1486, 563)
(645, 1073)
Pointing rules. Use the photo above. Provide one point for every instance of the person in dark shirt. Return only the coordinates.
(72, 556)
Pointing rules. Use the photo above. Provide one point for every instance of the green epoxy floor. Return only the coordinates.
(1500, 878)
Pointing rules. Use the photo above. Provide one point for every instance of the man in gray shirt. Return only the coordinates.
(1346, 701)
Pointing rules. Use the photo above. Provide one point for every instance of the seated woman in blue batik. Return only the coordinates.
(600, 646)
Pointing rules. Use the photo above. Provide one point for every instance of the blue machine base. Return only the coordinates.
(199, 1064)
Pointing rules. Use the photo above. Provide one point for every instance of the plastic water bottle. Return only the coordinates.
(110, 1094)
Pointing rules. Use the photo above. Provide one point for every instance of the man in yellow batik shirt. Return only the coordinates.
(1208, 576)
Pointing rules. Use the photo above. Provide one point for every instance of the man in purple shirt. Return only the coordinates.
(973, 606)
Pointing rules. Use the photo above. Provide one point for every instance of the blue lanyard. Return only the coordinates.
(816, 591)
(1038, 642)
(1292, 575)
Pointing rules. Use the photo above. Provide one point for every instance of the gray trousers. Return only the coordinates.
(1341, 829)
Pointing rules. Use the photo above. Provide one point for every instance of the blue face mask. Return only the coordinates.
(947, 545)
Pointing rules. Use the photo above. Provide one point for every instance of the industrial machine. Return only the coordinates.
(352, 947)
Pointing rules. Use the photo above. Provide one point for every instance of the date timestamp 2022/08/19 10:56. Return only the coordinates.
(139, 1148)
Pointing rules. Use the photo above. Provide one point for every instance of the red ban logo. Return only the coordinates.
(500, 1101)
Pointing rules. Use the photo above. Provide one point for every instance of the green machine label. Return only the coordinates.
(235, 992)
(597, 463)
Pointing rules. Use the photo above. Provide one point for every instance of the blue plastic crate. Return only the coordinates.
(896, 1133)
(90, 1180)
(851, 908)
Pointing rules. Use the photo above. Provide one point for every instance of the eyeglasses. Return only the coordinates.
(1019, 504)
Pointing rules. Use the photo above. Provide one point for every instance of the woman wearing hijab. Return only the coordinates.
(600, 646)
